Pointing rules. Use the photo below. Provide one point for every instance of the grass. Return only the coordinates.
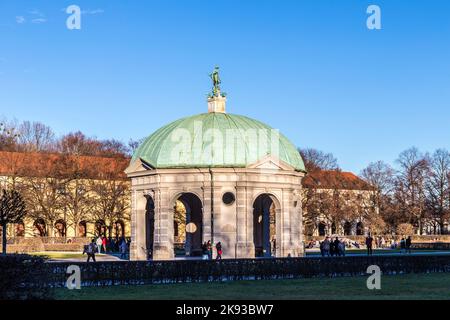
(401, 287)
(59, 255)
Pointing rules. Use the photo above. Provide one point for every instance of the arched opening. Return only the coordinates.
(20, 229)
(40, 229)
(100, 228)
(149, 226)
(82, 229)
(60, 228)
(333, 228)
(360, 229)
(119, 229)
(188, 221)
(264, 226)
(347, 228)
(322, 229)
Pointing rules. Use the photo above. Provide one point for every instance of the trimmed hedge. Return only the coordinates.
(24, 277)
(156, 272)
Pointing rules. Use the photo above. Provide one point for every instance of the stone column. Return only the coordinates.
(138, 249)
(163, 248)
(297, 225)
(244, 224)
(286, 224)
(206, 211)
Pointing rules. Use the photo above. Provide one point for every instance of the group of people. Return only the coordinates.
(207, 249)
(332, 248)
(405, 245)
(102, 244)
(328, 247)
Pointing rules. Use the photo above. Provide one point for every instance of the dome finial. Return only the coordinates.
(216, 99)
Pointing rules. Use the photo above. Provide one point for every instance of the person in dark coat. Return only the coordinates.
(336, 247)
(369, 244)
(408, 245)
(332, 248)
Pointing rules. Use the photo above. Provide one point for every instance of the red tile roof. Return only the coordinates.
(335, 180)
(51, 164)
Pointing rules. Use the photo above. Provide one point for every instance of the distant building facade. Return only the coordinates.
(336, 202)
(68, 196)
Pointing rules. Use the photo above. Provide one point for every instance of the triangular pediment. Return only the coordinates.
(271, 163)
(138, 166)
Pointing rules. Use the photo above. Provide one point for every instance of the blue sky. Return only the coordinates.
(309, 68)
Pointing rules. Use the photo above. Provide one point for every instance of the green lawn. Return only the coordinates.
(415, 286)
(59, 255)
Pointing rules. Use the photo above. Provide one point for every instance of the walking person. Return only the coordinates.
(90, 250)
(219, 251)
(99, 244)
(369, 244)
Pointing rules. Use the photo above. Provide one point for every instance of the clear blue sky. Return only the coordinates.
(309, 68)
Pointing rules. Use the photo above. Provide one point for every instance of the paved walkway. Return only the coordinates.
(312, 254)
(98, 258)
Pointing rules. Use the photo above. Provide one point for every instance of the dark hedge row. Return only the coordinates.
(123, 273)
(24, 277)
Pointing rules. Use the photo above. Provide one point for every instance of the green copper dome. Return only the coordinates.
(216, 140)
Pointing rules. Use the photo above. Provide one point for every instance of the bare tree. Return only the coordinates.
(410, 186)
(438, 189)
(381, 177)
(36, 137)
(110, 202)
(46, 183)
(318, 160)
(133, 145)
(12, 210)
(77, 199)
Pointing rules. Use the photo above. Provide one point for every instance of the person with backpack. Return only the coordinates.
(90, 251)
